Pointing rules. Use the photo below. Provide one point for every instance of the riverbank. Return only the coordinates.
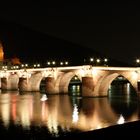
(127, 130)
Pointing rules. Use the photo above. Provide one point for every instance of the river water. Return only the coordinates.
(26, 115)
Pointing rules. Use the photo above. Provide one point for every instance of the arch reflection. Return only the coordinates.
(64, 113)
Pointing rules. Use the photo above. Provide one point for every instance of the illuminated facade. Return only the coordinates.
(7, 63)
(1, 53)
(95, 80)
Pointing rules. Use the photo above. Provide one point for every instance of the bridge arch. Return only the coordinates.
(75, 86)
(31, 83)
(65, 80)
(105, 82)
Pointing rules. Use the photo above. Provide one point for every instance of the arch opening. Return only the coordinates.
(121, 97)
(42, 88)
(74, 87)
(121, 86)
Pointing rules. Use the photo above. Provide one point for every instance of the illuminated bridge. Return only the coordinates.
(95, 80)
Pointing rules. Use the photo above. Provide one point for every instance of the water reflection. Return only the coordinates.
(75, 114)
(65, 113)
(5, 109)
(44, 97)
(121, 120)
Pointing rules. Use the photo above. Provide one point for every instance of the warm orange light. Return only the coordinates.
(1, 52)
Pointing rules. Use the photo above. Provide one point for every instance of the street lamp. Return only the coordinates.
(138, 61)
(105, 60)
(91, 59)
(98, 60)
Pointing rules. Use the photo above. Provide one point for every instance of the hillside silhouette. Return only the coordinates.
(33, 46)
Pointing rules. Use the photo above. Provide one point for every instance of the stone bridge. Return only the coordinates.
(95, 80)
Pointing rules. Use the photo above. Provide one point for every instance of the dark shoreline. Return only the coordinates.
(127, 130)
(130, 129)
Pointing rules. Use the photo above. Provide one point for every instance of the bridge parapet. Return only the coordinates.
(4, 74)
(24, 74)
(86, 71)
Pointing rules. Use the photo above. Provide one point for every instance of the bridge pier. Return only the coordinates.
(23, 85)
(87, 86)
(26, 85)
(50, 85)
(9, 84)
(4, 84)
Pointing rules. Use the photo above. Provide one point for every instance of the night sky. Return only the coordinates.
(109, 28)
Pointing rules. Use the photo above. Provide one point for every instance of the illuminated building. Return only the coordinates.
(8, 63)
(1, 52)
(1, 55)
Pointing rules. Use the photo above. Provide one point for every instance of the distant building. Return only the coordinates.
(15, 61)
(7, 62)
(1, 53)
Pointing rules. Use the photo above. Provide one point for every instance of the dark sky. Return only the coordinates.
(111, 28)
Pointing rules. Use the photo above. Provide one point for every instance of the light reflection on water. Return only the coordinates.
(66, 113)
